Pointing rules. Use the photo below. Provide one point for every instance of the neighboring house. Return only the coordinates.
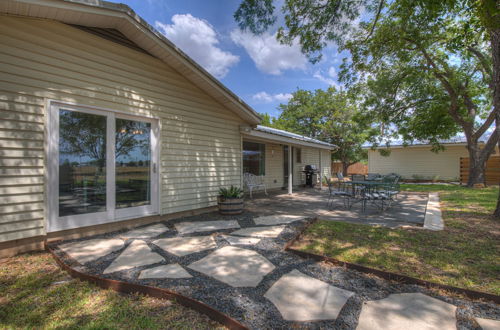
(417, 161)
(105, 124)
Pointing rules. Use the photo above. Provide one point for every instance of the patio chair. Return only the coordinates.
(391, 188)
(340, 191)
(253, 181)
(373, 176)
(357, 177)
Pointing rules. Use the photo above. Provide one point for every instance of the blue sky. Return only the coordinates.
(257, 68)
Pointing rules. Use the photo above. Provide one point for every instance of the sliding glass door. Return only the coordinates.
(102, 167)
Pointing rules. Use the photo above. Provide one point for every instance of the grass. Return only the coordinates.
(35, 293)
(466, 254)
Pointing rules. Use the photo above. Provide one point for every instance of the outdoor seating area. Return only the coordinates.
(375, 189)
(407, 209)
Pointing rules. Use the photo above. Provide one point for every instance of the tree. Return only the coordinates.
(411, 39)
(266, 120)
(427, 77)
(332, 116)
(85, 135)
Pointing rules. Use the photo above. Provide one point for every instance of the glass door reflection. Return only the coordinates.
(82, 163)
(133, 163)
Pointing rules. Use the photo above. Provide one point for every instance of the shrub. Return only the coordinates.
(232, 192)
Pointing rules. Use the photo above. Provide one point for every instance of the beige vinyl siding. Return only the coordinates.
(419, 161)
(326, 161)
(310, 156)
(41, 60)
(274, 166)
(274, 177)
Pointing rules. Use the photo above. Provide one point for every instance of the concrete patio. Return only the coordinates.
(408, 210)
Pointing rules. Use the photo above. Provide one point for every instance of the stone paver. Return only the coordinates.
(263, 232)
(182, 246)
(488, 324)
(407, 311)
(271, 220)
(200, 226)
(299, 297)
(165, 271)
(138, 253)
(93, 249)
(235, 240)
(145, 232)
(234, 266)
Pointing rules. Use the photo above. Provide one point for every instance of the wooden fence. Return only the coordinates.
(492, 170)
(357, 168)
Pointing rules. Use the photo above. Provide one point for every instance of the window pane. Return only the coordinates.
(254, 158)
(82, 163)
(133, 163)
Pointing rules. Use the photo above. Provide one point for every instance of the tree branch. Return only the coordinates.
(490, 146)
(377, 16)
(484, 127)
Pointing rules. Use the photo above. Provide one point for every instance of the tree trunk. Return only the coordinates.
(476, 166)
(345, 166)
(495, 49)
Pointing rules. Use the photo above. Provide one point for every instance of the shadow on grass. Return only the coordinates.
(465, 254)
(36, 294)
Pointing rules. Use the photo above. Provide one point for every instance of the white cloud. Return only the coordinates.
(330, 78)
(199, 40)
(268, 54)
(268, 98)
(332, 72)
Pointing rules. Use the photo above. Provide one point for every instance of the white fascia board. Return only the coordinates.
(284, 140)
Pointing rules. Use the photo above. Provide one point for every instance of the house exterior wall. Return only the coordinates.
(419, 161)
(311, 156)
(274, 177)
(42, 60)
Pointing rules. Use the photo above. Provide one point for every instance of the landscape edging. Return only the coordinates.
(383, 274)
(125, 287)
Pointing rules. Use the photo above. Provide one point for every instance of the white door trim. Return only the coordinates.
(56, 223)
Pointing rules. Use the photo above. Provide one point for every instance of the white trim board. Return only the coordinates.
(112, 214)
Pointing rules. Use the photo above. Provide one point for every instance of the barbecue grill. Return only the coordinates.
(311, 172)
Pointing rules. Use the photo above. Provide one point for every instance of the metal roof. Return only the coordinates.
(291, 135)
(457, 140)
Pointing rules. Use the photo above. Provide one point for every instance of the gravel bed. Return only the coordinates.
(248, 305)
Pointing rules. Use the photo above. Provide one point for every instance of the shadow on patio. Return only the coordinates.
(408, 210)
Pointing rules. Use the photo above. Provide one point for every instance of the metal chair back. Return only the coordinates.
(358, 177)
(340, 176)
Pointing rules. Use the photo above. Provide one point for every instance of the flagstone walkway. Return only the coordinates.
(238, 266)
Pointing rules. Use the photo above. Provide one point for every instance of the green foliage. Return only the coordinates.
(329, 115)
(313, 22)
(427, 74)
(231, 192)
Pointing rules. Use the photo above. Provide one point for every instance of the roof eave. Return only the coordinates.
(121, 17)
(284, 140)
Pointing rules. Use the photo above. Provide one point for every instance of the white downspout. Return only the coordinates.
(320, 171)
(290, 179)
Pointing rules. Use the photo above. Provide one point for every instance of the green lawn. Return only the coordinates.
(466, 254)
(35, 293)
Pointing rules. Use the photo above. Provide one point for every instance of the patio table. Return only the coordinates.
(366, 185)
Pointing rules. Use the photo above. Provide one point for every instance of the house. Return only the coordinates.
(417, 161)
(105, 124)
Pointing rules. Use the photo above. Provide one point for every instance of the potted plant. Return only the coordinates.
(230, 200)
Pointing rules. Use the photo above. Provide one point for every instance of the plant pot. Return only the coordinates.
(230, 206)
